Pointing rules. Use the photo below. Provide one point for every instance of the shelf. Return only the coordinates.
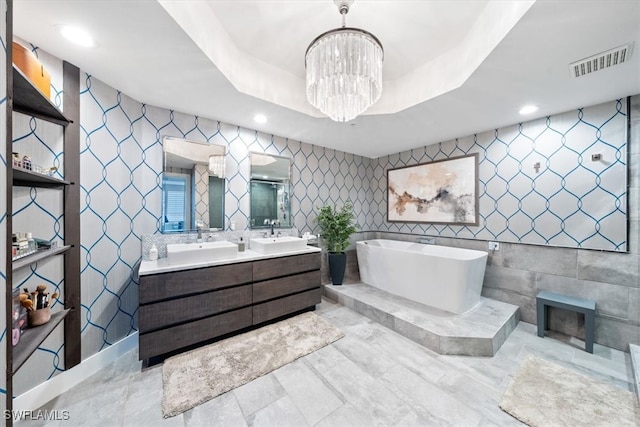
(28, 99)
(25, 178)
(33, 337)
(38, 256)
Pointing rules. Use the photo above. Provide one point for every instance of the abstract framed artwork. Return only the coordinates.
(439, 192)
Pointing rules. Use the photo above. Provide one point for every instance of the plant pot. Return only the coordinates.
(39, 317)
(337, 265)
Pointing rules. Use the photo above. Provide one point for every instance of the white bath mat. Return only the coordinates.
(546, 394)
(197, 376)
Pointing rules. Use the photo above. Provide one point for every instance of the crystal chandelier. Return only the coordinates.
(344, 70)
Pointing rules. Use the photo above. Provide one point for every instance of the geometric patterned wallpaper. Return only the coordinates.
(570, 201)
(120, 179)
(3, 205)
(319, 174)
(122, 138)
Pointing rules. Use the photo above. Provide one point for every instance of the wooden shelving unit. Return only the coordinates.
(29, 100)
(38, 256)
(25, 178)
(23, 97)
(32, 337)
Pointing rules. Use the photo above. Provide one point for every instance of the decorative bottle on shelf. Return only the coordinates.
(153, 253)
(31, 243)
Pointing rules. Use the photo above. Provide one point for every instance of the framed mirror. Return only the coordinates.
(270, 191)
(193, 185)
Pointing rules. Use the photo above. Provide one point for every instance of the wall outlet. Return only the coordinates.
(494, 246)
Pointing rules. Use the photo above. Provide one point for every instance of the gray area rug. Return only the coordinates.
(546, 394)
(192, 378)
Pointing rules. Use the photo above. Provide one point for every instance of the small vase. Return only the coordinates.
(39, 317)
(337, 266)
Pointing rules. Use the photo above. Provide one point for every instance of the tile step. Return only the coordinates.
(480, 331)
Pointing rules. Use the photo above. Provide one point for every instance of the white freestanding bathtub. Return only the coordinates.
(439, 276)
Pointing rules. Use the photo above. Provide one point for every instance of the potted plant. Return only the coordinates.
(336, 226)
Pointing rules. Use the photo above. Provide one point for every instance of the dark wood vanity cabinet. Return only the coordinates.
(285, 285)
(184, 308)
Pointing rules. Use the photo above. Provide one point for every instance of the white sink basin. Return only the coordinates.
(189, 253)
(271, 245)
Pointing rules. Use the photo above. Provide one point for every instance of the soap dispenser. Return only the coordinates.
(153, 253)
(241, 245)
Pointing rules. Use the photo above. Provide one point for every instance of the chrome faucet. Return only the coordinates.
(199, 227)
(273, 223)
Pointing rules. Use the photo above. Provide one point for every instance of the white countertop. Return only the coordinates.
(163, 265)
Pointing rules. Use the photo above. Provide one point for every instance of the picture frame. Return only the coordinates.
(439, 192)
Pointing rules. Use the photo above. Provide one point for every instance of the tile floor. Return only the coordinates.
(372, 376)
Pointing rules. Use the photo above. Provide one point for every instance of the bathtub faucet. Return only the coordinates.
(427, 241)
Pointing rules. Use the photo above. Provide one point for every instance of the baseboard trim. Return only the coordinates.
(43, 393)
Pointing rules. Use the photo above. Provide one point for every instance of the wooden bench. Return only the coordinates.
(587, 307)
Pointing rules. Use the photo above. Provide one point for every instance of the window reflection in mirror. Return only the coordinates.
(270, 190)
(192, 185)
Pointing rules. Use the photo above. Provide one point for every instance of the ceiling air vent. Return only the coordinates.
(615, 56)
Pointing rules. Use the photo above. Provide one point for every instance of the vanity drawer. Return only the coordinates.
(280, 307)
(275, 288)
(158, 287)
(171, 312)
(166, 340)
(277, 267)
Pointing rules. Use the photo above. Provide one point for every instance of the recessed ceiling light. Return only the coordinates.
(260, 118)
(77, 36)
(528, 109)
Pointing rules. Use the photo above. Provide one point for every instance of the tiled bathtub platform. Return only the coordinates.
(478, 332)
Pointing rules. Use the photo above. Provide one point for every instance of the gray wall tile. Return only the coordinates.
(634, 307)
(492, 293)
(620, 269)
(615, 334)
(511, 279)
(527, 305)
(560, 261)
(566, 321)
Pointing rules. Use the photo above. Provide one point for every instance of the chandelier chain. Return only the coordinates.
(344, 9)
